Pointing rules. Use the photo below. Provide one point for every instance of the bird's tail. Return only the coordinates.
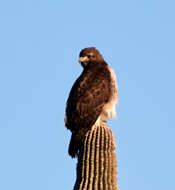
(74, 145)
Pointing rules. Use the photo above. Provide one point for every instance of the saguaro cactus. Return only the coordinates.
(97, 167)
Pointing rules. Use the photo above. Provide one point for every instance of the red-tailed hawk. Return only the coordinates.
(92, 98)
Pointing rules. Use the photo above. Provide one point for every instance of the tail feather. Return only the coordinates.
(74, 145)
(76, 141)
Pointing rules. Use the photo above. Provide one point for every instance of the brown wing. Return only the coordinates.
(86, 100)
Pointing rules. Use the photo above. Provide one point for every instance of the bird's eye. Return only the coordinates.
(91, 56)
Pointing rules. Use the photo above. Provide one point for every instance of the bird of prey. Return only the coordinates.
(92, 98)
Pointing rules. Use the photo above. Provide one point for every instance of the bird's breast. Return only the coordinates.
(109, 109)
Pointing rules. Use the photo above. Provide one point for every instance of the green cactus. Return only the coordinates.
(97, 167)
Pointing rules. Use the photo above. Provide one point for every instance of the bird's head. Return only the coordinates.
(90, 55)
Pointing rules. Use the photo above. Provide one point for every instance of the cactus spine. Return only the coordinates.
(97, 167)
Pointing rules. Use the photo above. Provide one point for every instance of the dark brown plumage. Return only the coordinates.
(88, 96)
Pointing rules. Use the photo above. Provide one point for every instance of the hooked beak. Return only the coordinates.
(83, 59)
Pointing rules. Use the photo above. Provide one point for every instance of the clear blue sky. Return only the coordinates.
(39, 46)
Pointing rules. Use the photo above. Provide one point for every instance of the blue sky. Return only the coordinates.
(39, 46)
